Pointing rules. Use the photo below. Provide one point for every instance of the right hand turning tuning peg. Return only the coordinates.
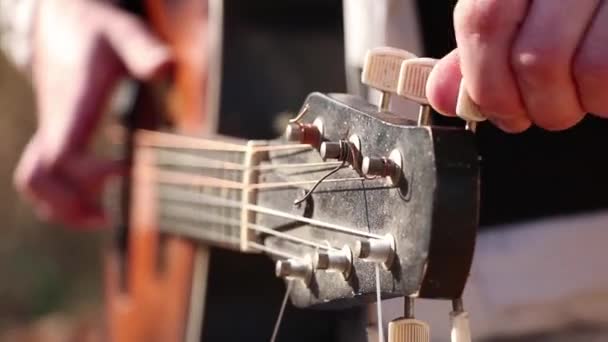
(381, 71)
(413, 77)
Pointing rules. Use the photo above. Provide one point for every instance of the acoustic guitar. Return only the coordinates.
(354, 203)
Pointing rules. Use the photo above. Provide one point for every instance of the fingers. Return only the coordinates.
(67, 193)
(142, 52)
(591, 65)
(485, 31)
(543, 57)
(443, 84)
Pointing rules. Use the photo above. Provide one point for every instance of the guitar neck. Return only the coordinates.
(200, 186)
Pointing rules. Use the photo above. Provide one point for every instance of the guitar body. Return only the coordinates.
(148, 283)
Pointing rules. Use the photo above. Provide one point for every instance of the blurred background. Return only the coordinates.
(50, 279)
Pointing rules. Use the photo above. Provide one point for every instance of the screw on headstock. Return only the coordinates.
(381, 71)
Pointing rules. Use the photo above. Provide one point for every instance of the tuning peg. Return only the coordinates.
(304, 133)
(384, 167)
(381, 71)
(377, 250)
(408, 329)
(333, 150)
(294, 269)
(467, 109)
(413, 76)
(334, 261)
(461, 331)
(342, 150)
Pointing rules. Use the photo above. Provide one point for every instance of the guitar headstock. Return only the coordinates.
(403, 196)
(352, 192)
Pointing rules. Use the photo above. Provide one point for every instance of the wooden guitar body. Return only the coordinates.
(148, 282)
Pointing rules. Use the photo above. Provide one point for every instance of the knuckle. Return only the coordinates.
(487, 18)
(537, 64)
(478, 16)
(591, 72)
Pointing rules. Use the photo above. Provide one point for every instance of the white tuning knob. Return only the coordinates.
(461, 331)
(381, 71)
(466, 108)
(408, 330)
(413, 78)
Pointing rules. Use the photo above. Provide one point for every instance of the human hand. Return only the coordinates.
(81, 49)
(525, 62)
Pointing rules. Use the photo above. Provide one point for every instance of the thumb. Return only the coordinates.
(143, 53)
(443, 84)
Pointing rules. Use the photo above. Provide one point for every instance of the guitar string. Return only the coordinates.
(180, 212)
(166, 140)
(277, 324)
(181, 196)
(172, 158)
(183, 178)
(278, 213)
(379, 306)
